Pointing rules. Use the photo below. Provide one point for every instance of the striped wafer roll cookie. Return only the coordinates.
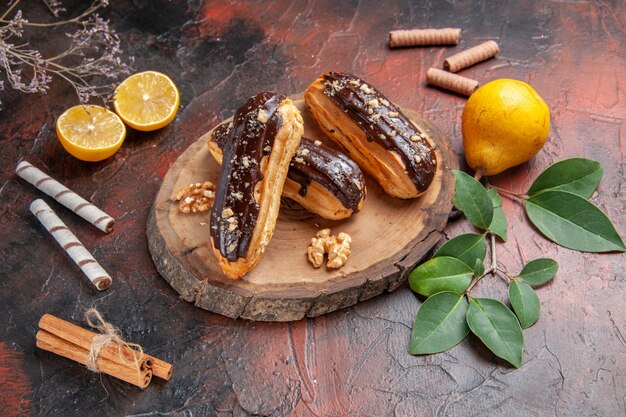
(452, 82)
(471, 56)
(65, 196)
(70, 244)
(424, 37)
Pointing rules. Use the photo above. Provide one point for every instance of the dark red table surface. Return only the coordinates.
(353, 362)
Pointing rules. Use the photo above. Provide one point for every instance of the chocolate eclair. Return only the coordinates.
(264, 137)
(322, 180)
(373, 132)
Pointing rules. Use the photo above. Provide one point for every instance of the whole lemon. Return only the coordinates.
(505, 123)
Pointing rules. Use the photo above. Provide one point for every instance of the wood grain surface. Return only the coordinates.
(352, 362)
(284, 286)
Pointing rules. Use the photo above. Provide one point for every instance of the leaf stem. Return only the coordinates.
(492, 268)
(474, 282)
(504, 274)
(521, 196)
(494, 262)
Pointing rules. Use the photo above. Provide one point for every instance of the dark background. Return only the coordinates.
(355, 361)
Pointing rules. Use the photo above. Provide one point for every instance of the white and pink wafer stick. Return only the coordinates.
(70, 244)
(65, 196)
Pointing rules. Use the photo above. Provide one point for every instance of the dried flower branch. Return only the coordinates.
(54, 6)
(90, 64)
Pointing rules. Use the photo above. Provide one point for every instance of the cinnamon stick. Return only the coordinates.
(160, 368)
(51, 343)
(114, 352)
(83, 338)
(65, 196)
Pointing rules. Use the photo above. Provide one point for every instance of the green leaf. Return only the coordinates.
(498, 223)
(498, 328)
(496, 199)
(440, 324)
(539, 271)
(525, 303)
(573, 222)
(472, 199)
(441, 274)
(479, 268)
(577, 175)
(467, 248)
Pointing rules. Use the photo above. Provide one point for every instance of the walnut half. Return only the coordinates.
(339, 250)
(318, 248)
(337, 247)
(196, 197)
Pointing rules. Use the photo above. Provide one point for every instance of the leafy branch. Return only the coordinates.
(557, 205)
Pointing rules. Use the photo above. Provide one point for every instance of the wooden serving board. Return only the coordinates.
(390, 236)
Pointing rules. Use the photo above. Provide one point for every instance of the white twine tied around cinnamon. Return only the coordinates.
(109, 333)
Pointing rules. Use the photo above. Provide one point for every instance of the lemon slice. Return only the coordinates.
(90, 133)
(147, 100)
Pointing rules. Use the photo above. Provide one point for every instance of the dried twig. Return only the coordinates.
(90, 63)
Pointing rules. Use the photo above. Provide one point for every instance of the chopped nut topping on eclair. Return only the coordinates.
(262, 116)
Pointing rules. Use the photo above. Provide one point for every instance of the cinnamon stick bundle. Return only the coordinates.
(83, 338)
(51, 343)
(113, 356)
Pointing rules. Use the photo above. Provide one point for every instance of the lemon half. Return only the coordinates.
(90, 133)
(147, 100)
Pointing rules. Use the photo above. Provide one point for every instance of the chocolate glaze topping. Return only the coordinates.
(315, 161)
(332, 169)
(221, 134)
(384, 124)
(244, 144)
